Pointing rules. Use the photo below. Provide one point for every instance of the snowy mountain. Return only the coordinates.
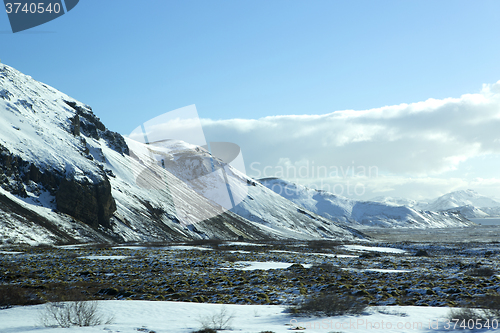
(396, 201)
(466, 202)
(64, 178)
(367, 213)
(462, 198)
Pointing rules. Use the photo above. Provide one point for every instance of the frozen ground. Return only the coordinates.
(180, 317)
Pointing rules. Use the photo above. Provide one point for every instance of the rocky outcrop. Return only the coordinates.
(90, 203)
(87, 123)
(75, 125)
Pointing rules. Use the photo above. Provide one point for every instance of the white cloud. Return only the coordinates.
(424, 139)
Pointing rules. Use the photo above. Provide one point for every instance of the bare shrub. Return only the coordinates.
(331, 305)
(78, 313)
(220, 320)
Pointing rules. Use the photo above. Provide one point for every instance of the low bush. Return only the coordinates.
(206, 330)
(490, 306)
(220, 320)
(464, 314)
(331, 305)
(484, 309)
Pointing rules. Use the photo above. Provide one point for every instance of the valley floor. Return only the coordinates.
(403, 275)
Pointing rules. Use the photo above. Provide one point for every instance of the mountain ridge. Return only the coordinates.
(363, 213)
(468, 202)
(65, 178)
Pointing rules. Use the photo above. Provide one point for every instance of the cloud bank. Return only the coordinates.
(425, 142)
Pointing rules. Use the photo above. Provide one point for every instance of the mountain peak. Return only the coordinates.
(461, 198)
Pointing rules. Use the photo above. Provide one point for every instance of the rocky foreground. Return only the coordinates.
(242, 273)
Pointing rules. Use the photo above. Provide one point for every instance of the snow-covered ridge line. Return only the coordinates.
(469, 203)
(363, 213)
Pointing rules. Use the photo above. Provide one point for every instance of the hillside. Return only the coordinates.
(65, 178)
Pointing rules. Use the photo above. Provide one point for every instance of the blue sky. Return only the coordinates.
(134, 60)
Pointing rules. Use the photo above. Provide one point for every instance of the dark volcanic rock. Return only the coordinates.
(75, 125)
(90, 203)
(90, 125)
(106, 204)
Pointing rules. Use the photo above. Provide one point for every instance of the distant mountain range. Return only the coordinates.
(468, 202)
(363, 213)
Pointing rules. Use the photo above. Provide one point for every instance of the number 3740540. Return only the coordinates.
(32, 8)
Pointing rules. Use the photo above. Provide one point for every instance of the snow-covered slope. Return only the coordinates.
(64, 177)
(462, 198)
(254, 202)
(469, 211)
(397, 201)
(366, 213)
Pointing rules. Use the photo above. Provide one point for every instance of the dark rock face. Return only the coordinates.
(106, 204)
(88, 124)
(15, 172)
(79, 201)
(90, 203)
(75, 125)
